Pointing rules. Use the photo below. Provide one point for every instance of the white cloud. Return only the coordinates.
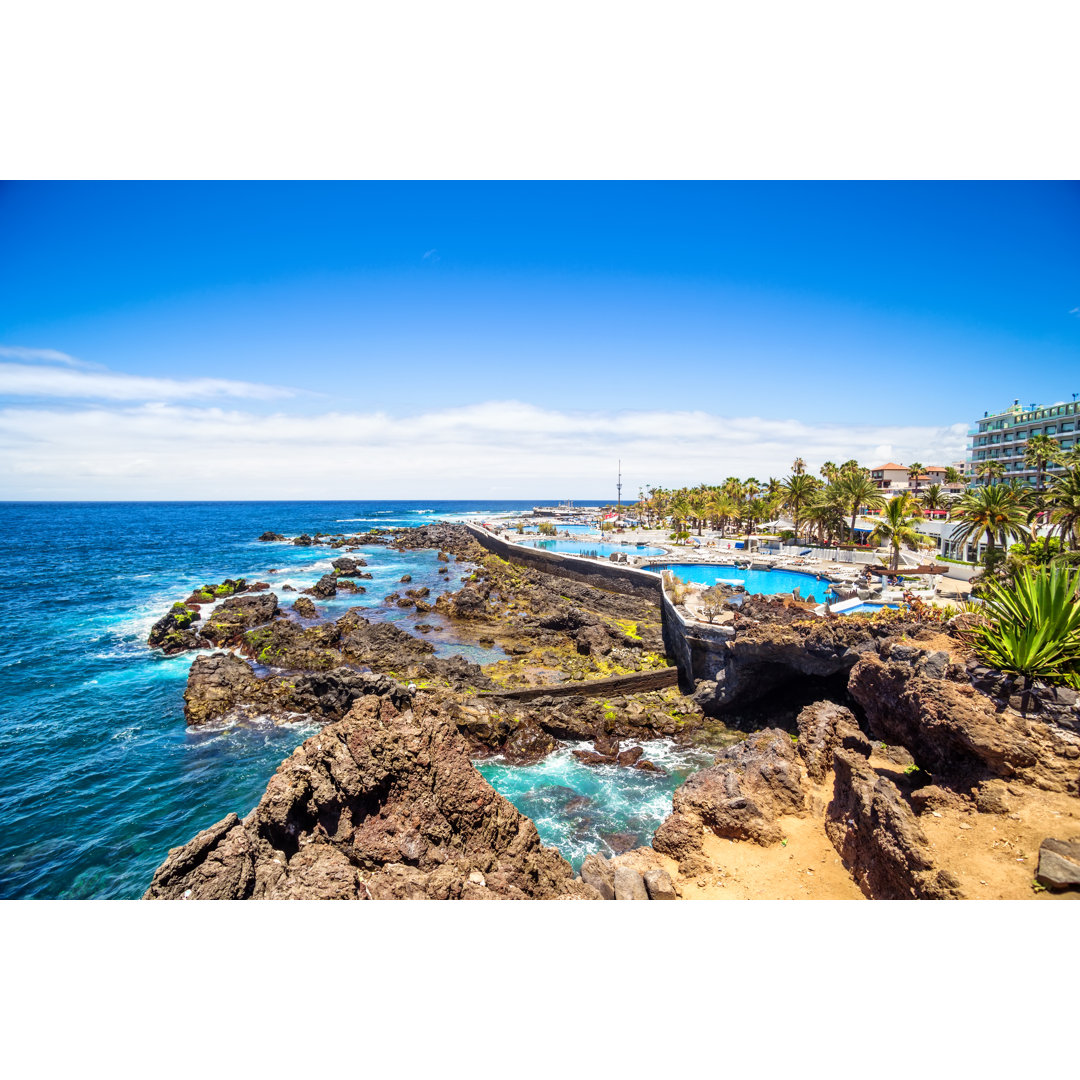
(490, 449)
(35, 380)
(45, 356)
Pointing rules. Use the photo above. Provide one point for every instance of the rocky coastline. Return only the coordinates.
(872, 747)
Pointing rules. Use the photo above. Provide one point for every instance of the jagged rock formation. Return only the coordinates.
(740, 797)
(824, 728)
(912, 696)
(879, 838)
(384, 804)
(776, 643)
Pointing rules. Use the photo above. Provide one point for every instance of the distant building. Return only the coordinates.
(1002, 436)
(894, 478)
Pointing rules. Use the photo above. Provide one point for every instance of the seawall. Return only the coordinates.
(604, 575)
(698, 649)
(637, 683)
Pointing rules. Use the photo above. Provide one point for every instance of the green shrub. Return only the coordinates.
(1031, 628)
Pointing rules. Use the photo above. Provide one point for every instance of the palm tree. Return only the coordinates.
(856, 490)
(798, 466)
(952, 476)
(720, 508)
(700, 502)
(796, 491)
(914, 472)
(1064, 500)
(1038, 453)
(681, 511)
(933, 498)
(826, 514)
(897, 527)
(993, 511)
(990, 470)
(757, 510)
(829, 472)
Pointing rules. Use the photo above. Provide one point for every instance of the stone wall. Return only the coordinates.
(604, 575)
(637, 683)
(698, 649)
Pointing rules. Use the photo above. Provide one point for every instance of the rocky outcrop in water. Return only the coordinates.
(384, 804)
(176, 631)
(305, 608)
(232, 619)
(222, 686)
(347, 565)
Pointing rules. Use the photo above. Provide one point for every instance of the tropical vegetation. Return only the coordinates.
(1031, 626)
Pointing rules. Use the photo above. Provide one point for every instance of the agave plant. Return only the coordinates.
(1033, 628)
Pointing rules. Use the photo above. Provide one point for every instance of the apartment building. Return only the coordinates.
(1002, 436)
(893, 478)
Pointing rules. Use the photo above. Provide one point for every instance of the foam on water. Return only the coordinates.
(581, 808)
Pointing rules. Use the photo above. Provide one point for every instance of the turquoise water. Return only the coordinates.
(598, 547)
(758, 582)
(102, 776)
(583, 808)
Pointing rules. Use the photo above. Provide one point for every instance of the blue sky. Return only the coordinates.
(606, 313)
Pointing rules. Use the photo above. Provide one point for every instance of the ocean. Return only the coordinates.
(102, 775)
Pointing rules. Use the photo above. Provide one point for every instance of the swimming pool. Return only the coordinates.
(597, 547)
(756, 582)
(868, 609)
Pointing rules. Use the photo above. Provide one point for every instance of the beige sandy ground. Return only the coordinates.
(993, 855)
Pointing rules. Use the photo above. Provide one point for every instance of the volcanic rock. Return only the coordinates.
(305, 608)
(752, 783)
(879, 838)
(347, 565)
(173, 632)
(238, 614)
(823, 727)
(1059, 864)
(528, 744)
(955, 731)
(325, 588)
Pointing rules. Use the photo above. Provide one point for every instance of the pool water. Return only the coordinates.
(756, 582)
(598, 547)
(868, 609)
(609, 809)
